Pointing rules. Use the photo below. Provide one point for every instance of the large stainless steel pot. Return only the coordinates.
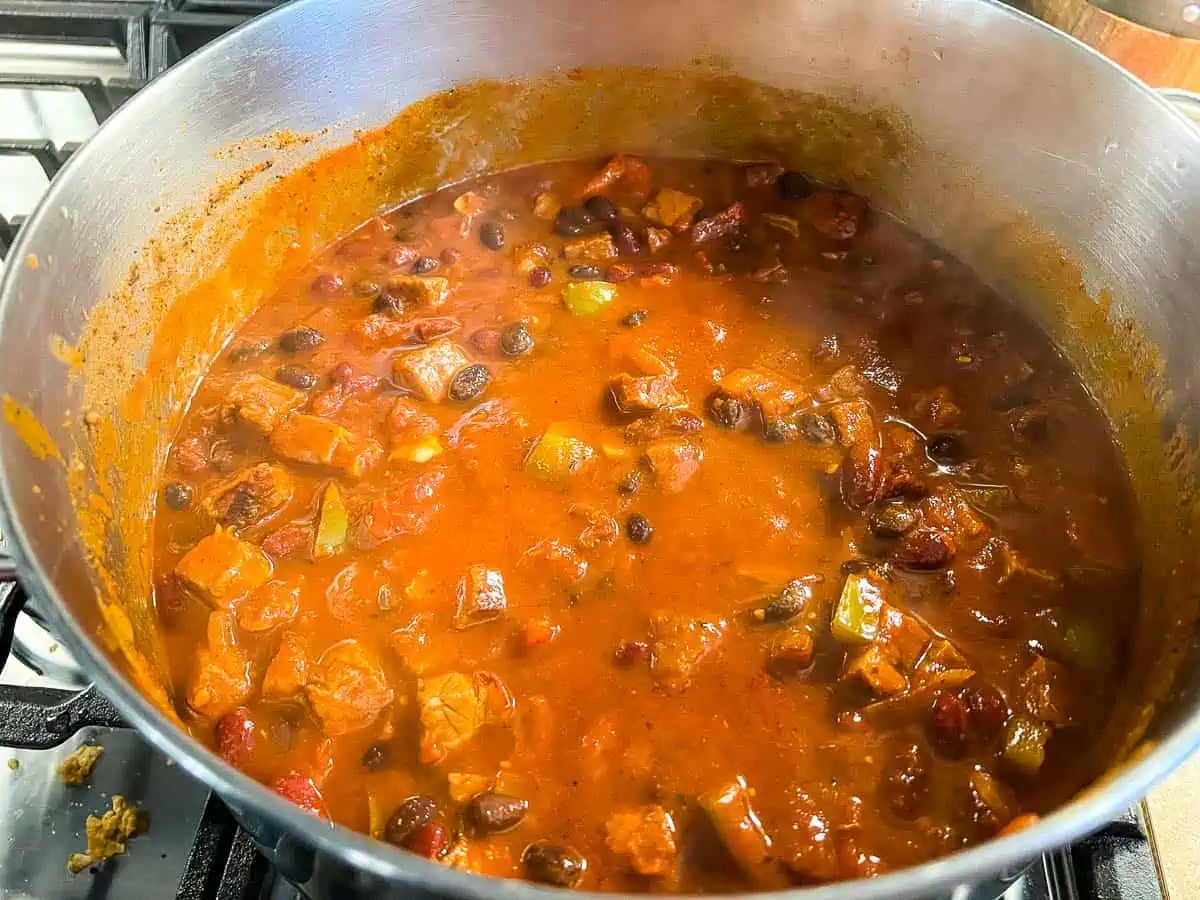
(1072, 188)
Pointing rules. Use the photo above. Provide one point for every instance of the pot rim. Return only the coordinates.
(1010, 854)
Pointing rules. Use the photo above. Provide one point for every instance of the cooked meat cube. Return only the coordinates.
(260, 403)
(661, 424)
(590, 249)
(221, 677)
(807, 849)
(562, 563)
(923, 549)
(862, 475)
(427, 291)
(791, 653)
(836, 214)
(855, 423)
(406, 509)
(323, 442)
(938, 408)
(275, 603)
(672, 208)
(454, 706)
(872, 667)
(673, 461)
(736, 821)
(249, 496)
(902, 636)
(222, 568)
(775, 396)
(287, 673)
(948, 509)
(360, 591)
(480, 597)
(644, 838)
(847, 383)
(1051, 693)
(347, 688)
(430, 370)
(406, 422)
(724, 223)
(646, 394)
(679, 644)
(601, 529)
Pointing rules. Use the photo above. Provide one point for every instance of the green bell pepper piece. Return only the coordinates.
(583, 298)
(557, 456)
(333, 523)
(858, 612)
(1025, 742)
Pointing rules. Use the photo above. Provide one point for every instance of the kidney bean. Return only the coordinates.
(326, 285)
(178, 495)
(301, 791)
(424, 265)
(629, 652)
(236, 737)
(409, 818)
(574, 221)
(515, 339)
(299, 377)
(300, 339)
(948, 724)
(725, 222)
(495, 813)
(554, 864)
(390, 304)
(399, 256)
(539, 276)
(244, 353)
(627, 241)
(491, 235)
(429, 841)
(601, 209)
(469, 383)
(924, 549)
(987, 710)
(638, 529)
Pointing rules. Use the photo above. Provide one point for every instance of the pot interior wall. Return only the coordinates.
(1006, 159)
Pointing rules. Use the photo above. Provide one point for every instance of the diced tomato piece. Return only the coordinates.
(236, 737)
(300, 790)
(403, 510)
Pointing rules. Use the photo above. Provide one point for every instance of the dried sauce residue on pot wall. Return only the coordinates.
(191, 287)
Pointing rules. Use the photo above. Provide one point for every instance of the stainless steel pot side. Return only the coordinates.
(1089, 153)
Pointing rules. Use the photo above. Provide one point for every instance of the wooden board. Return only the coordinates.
(1161, 60)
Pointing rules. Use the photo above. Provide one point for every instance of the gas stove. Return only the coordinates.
(65, 66)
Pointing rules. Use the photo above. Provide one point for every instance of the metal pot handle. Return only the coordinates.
(1187, 102)
(38, 718)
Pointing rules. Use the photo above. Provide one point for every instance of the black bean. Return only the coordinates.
(793, 186)
(539, 276)
(631, 483)
(243, 353)
(780, 430)
(299, 377)
(390, 304)
(365, 289)
(554, 864)
(585, 273)
(374, 759)
(788, 603)
(424, 265)
(491, 235)
(244, 508)
(737, 241)
(222, 458)
(638, 528)
(894, 519)
(947, 448)
(178, 495)
(409, 818)
(515, 339)
(299, 339)
(495, 813)
(600, 208)
(728, 412)
(627, 240)
(816, 428)
(573, 221)
(635, 319)
(469, 382)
